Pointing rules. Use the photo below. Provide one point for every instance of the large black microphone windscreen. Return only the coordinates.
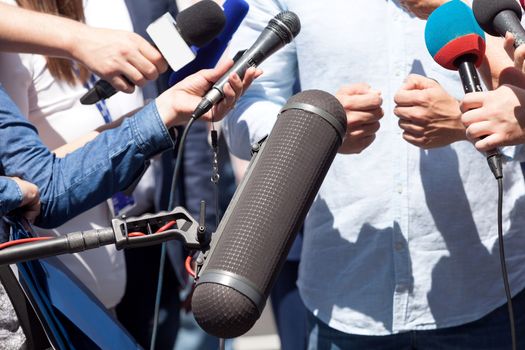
(200, 23)
(487, 10)
(269, 207)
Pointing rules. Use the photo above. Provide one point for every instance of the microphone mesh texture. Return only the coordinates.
(258, 230)
(286, 25)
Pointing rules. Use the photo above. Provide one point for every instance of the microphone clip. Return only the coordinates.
(185, 229)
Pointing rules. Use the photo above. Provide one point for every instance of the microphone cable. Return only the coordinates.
(503, 264)
(171, 205)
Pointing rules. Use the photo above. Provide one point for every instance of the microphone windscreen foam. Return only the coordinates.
(209, 55)
(269, 207)
(451, 32)
(201, 22)
(486, 10)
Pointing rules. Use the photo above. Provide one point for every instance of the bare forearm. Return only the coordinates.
(62, 151)
(23, 30)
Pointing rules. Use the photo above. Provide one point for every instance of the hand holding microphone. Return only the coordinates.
(495, 118)
(503, 18)
(176, 104)
(197, 25)
(280, 31)
(363, 110)
(428, 115)
(113, 55)
(456, 42)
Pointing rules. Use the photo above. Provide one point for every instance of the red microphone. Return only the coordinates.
(522, 2)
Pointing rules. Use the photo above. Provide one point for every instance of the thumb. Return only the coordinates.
(357, 89)
(509, 44)
(418, 82)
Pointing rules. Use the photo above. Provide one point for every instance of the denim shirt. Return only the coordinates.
(85, 177)
(10, 195)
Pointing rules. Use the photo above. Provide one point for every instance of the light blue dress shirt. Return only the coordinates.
(399, 238)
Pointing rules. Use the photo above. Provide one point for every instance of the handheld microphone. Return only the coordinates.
(456, 42)
(497, 17)
(197, 25)
(280, 31)
(209, 55)
(268, 208)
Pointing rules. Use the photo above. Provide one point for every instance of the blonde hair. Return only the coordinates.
(61, 68)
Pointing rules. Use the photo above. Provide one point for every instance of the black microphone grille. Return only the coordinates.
(486, 10)
(286, 25)
(201, 22)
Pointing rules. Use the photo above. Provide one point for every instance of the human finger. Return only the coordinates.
(411, 128)
(479, 130)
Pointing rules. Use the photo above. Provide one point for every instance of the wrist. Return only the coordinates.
(168, 115)
(460, 132)
(74, 40)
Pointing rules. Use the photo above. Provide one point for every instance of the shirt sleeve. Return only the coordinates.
(257, 109)
(10, 195)
(87, 176)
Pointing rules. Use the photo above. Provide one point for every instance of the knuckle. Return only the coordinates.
(139, 80)
(396, 111)
(376, 100)
(134, 37)
(411, 78)
(347, 104)
(151, 73)
(424, 97)
(420, 114)
(124, 51)
(470, 134)
(111, 67)
(157, 58)
(364, 86)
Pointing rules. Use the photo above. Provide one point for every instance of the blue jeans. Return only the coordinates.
(492, 332)
(288, 308)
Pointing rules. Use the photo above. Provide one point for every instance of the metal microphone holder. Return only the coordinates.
(190, 232)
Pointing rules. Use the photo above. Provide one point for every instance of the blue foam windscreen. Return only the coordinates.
(452, 31)
(209, 55)
(448, 22)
